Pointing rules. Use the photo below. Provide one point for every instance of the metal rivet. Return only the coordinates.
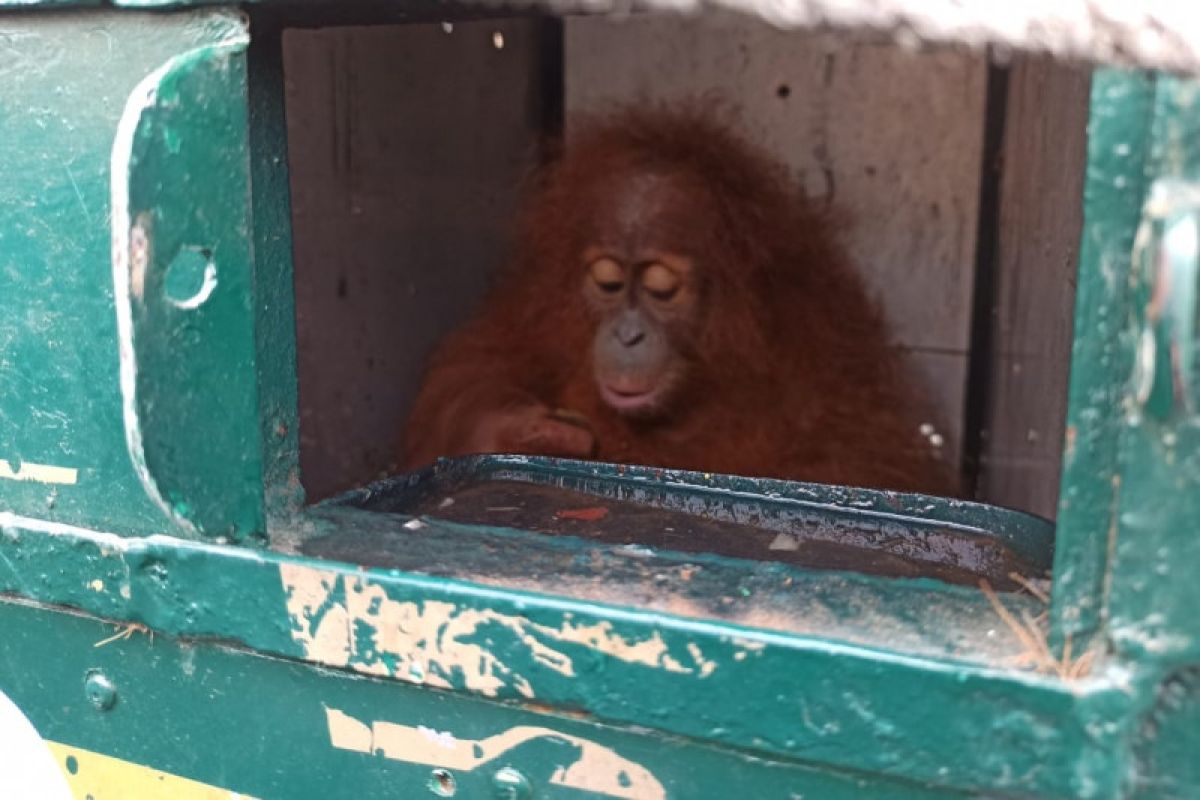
(100, 691)
(442, 783)
(509, 784)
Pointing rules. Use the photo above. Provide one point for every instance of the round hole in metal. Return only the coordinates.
(191, 277)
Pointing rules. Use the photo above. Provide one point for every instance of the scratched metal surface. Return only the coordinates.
(1102, 353)
(121, 262)
(1154, 531)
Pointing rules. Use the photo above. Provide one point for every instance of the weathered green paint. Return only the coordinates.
(1102, 354)
(205, 426)
(817, 699)
(190, 405)
(1131, 503)
(1154, 594)
(66, 81)
(259, 725)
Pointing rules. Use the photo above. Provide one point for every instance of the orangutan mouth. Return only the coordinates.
(627, 401)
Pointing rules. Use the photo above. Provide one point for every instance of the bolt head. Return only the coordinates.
(99, 690)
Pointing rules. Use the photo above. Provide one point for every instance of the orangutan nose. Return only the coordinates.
(629, 329)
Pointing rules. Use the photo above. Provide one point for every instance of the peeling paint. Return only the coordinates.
(347, 621)
(596, 768)
(38, 473)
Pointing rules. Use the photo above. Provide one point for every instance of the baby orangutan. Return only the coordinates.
(673, 301)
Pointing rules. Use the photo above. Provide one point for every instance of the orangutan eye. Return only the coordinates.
(660, 281)
(608, 275)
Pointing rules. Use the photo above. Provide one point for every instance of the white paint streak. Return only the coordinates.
(433, 642)
(111, 544)
(38, 473)
(128, 278)
(594, 768)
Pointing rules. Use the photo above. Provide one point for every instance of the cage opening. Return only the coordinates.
(959, 179)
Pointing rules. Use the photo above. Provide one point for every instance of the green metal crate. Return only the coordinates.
(176, 623)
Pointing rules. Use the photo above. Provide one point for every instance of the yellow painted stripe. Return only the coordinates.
(101, 777)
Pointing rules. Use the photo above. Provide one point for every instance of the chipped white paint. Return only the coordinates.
(131, 248)
(38, 473)
(13, 524)
(594, 768)
(346, 621)
(97, 585)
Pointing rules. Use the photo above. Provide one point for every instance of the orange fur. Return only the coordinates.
(790, 373)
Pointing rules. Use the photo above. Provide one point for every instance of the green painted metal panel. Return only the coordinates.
(180, 214)
(1127, 539)
(269, 728)
(1130, 508)
(1102, 353)
(67, 80)
(1156, 544)
(132, 393)
(855, 695)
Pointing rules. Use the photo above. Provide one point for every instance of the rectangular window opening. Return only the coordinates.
(954, 181)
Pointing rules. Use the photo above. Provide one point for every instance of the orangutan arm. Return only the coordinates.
(483, 394)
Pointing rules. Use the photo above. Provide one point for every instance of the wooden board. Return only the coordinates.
(1041, 219)
(406, 148)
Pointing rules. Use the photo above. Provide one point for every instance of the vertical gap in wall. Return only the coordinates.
(550, 79)
(983, 306)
